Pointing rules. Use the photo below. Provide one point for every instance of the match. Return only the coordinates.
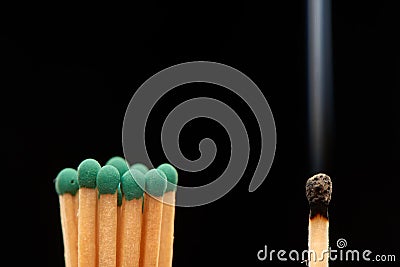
(87, 215)
(168, 216)
(155, 185)
(318, 192)
(107, 184)
(132, 184)
(67, 188)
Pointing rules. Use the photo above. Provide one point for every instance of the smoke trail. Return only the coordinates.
(320, 95)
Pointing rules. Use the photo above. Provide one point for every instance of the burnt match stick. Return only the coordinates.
(318, 192)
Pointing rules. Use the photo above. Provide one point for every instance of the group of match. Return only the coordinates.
(117, 214)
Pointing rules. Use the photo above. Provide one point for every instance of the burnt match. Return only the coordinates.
(318, 192)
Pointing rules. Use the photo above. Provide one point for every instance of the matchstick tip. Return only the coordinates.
(156, 182)
(67, 182)
(319, 189)
(107, 180)
(87, 173)
(132, 184)
(119, 163)
(171, 174)
(141, 167)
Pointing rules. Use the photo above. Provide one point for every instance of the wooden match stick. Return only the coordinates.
(132, 185)
(168, 216)
(155, 186)
(67, 187)
(87, 248)
(318, 192)
(107, 186)
(122, 166)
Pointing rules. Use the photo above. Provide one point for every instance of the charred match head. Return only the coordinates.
(318, 192)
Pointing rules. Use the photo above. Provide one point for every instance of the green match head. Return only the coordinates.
(132, 184)
(172, 176)
(87, 173)
(156, 182)
(141, 167)
(108, 180)
(119, 195)
(67, 182)
(119, 163)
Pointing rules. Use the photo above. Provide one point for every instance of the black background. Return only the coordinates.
(69, 72)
